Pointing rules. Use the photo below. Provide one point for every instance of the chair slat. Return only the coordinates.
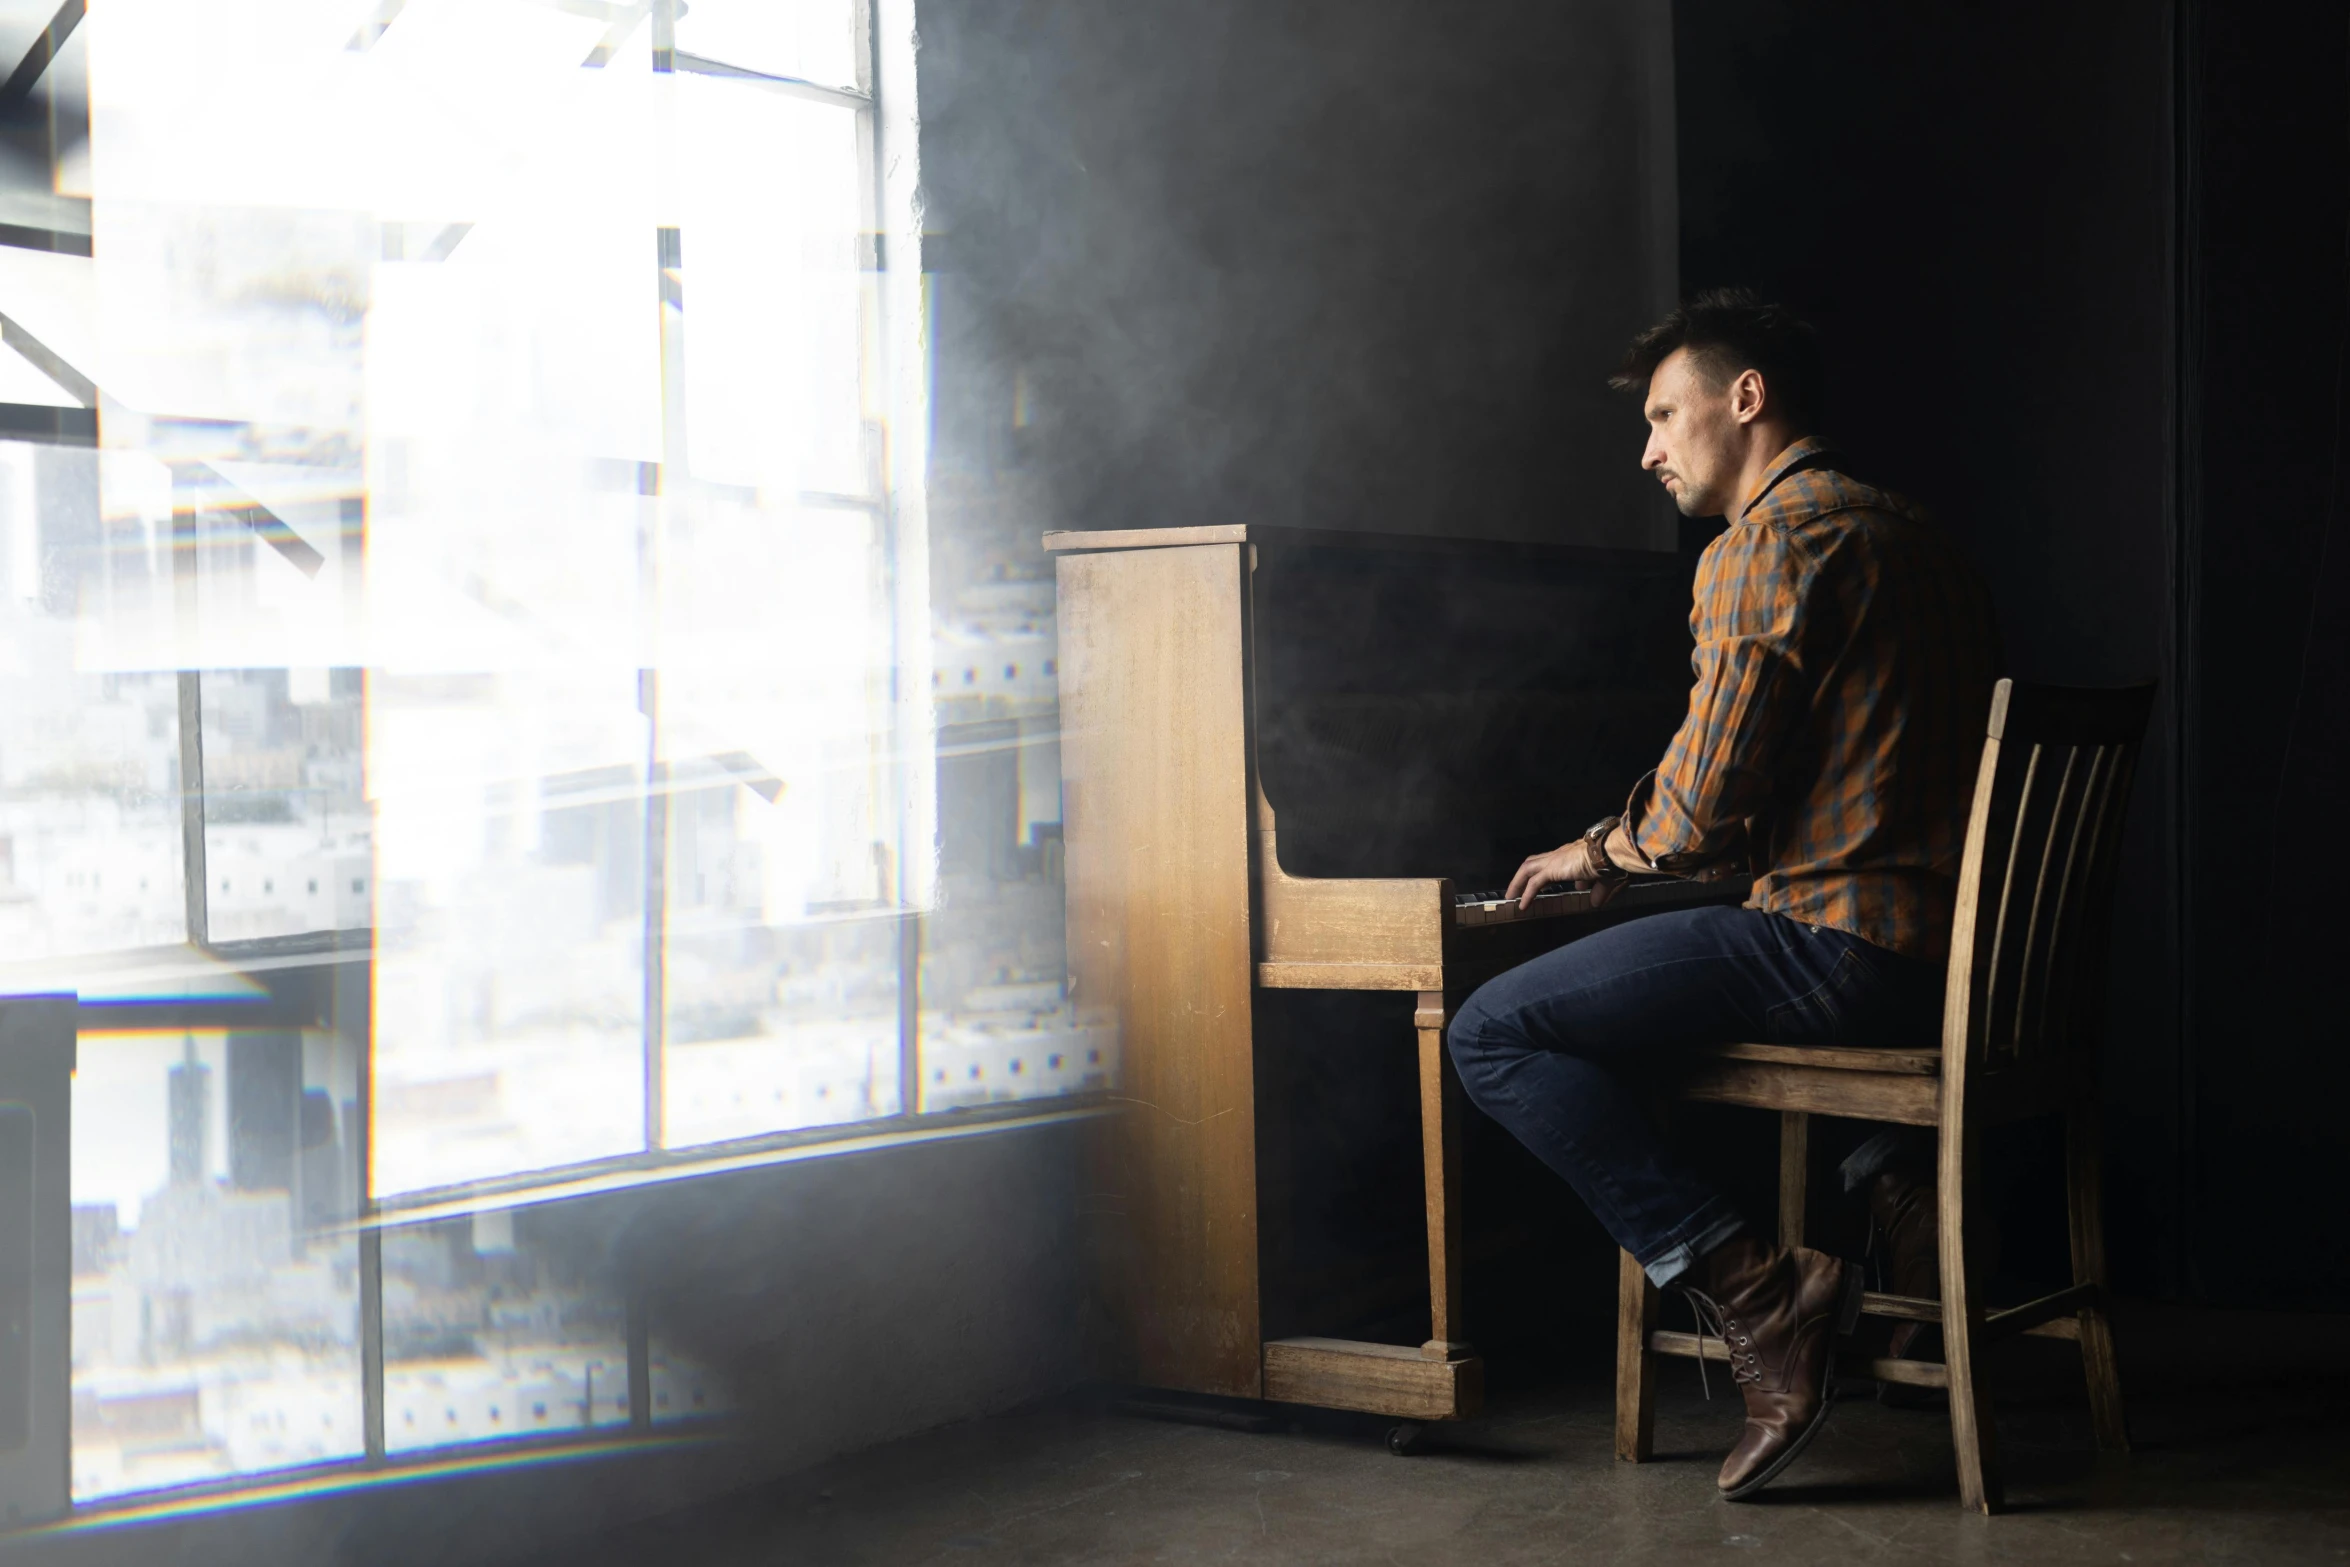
(2085, 1008)
(2056, 768)
(1995, 1008)
(2055, 844)
(2101, 863)
(2052, 1028)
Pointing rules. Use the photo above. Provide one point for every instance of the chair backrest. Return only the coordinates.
(2035, 891)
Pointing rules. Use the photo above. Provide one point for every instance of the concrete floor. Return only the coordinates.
(2242, 1455)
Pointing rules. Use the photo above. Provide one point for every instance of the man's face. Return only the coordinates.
(1694, 436)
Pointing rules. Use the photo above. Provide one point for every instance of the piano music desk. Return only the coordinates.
(1210, 675)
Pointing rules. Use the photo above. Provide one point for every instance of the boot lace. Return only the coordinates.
(1745, 1364)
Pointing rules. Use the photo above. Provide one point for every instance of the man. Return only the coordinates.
(1843, 674)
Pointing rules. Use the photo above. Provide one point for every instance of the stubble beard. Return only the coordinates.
(1686, 499)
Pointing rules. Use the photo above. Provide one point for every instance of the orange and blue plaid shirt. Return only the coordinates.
(1844, 663)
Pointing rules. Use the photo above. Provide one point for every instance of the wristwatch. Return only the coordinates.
(1595, 849)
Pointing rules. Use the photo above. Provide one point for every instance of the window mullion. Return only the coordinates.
(371, 1331)
(192, 803)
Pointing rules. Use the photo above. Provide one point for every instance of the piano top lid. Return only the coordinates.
(1071, 541)
(1148, 538)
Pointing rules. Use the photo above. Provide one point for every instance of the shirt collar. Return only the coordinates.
(1785, 463)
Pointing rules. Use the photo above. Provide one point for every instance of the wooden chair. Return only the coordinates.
(2020, 1027)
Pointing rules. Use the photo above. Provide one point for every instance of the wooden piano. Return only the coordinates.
(1278, 748)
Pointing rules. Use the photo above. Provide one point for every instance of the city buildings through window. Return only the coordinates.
(462, 540)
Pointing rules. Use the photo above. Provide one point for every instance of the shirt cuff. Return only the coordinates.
(1633, 807)
(1673, 861)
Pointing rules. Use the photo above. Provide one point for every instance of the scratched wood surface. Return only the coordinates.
(1155, 768)
(1345, 933)
(1381, 1379)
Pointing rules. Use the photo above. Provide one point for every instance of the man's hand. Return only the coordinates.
(1568, 863)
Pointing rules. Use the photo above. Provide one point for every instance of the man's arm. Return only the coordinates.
(1723, 764)
(1747, 699)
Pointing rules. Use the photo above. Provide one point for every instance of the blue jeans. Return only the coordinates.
(1555, 1049)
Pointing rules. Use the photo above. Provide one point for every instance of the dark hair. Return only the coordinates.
(1727, 330)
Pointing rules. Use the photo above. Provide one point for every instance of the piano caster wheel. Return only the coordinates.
(1406, 1438)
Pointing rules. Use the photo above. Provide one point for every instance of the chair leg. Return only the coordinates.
(1794, 1174)
(1635, 1363)
(1972, 1432)
(2085, 1193)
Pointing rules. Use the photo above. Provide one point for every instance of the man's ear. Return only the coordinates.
(1747, 396)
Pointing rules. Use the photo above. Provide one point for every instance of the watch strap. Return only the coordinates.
(1595, 849)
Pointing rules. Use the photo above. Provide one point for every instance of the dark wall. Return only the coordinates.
(2089, 309)
(851, 1299)
(1347, 263)
(2267, 630)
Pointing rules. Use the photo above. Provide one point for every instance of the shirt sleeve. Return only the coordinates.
(1749, 620)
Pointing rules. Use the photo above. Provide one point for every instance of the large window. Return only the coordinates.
(467, 708)
(522, 423)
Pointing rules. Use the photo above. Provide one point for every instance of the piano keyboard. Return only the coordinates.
(1471, 909)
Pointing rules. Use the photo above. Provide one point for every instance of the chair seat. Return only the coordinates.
(1901, 1086)
(1840, 1058)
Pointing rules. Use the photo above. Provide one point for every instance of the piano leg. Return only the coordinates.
(1443, 1379)
(1440, 1158)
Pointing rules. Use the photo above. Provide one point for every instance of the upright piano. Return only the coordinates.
(1282, 750)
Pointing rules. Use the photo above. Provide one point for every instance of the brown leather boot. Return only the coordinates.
(1911, 1231)
(1780, 1312)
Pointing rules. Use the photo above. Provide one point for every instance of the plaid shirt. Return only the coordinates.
(1845, 656)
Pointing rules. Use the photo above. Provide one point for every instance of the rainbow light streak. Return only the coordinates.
(349, 1477)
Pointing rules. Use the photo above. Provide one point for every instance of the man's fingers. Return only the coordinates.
(1531, 867)
(1544, 870)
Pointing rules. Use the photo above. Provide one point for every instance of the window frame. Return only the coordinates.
(301, 974)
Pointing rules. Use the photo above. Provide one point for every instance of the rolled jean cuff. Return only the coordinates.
(1712, 1225)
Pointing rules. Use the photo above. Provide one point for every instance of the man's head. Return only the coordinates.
(1729, 382)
